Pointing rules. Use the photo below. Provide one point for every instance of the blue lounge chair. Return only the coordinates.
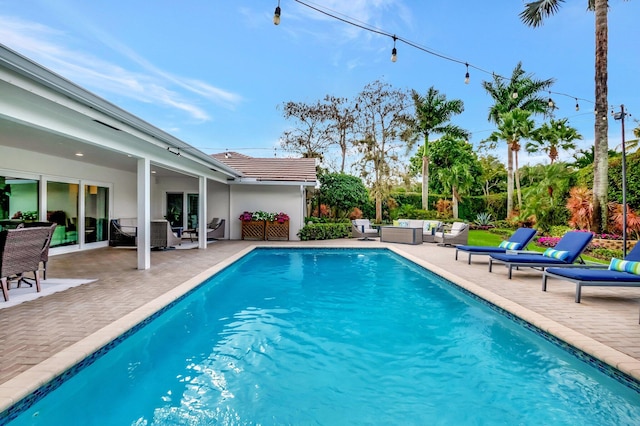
(565, 253)
(592, 277)
(520, 239)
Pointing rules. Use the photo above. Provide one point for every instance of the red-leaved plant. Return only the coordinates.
(580, 206)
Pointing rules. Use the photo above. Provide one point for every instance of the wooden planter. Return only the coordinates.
(253, 230)
(276, 231)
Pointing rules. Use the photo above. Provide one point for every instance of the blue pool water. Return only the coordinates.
(334, 337)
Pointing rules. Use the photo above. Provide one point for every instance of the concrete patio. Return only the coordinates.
(45, 330)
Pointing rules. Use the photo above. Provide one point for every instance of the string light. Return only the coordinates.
(394, 51)
(551, 104)
(276, 15)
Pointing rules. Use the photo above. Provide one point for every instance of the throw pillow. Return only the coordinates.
(396, 223)
(509, 245)
(624, 266)
(556, 254)
(403, 223)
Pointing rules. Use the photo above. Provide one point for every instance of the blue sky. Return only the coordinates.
(213, 73)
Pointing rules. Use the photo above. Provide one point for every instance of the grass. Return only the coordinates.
(479, 237)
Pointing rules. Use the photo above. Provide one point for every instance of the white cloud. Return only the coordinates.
(49, 47)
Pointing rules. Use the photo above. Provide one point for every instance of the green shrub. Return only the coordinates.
(325, 231)
(559, 230)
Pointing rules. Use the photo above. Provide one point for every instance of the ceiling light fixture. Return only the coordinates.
(466, 76)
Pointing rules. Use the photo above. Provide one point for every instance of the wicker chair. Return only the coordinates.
(21, 252)
(459, 234)
(215, 231)
(121, 234)
(44, 257)
(162, 236)
(362, 229)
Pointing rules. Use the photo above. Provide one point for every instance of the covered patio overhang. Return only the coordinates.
(52, 127)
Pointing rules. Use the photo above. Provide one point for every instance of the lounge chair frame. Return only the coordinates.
(623, 279)
(527, 235)
(539, 262)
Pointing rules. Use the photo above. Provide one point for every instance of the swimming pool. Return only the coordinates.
(332, 337)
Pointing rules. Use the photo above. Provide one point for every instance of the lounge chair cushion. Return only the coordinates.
(624, 266)
(510, 245)
(556, 254)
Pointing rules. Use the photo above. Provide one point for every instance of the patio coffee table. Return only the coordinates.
(399, 234)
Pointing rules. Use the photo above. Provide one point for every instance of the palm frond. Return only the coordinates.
(536, 12)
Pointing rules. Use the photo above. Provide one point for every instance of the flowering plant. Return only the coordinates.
(246, 216)
(281, 217)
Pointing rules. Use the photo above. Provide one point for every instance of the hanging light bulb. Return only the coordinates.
(577, 106)
(276, 15)
(551, 104)
(466, 76)
(514, 95)
(394, 51)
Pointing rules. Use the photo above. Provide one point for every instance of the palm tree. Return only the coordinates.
(521, 91)
(458, 180)
(514, 126)
(551, 136)
(533, 15)
(432, 116)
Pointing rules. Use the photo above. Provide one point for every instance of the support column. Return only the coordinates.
(202, 212)
(144, 213)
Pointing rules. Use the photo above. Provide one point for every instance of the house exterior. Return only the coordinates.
(69, 156)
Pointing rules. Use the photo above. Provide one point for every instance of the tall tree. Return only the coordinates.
(514, 126)
(533, 15)
(341, 121)
(522, 91)
(551, 136)
(456, 167)
(383, 127)
(493, 173)
(310, 136)
(433, 113)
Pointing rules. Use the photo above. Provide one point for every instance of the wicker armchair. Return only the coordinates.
(44, 256)
(162, 236)
(123, 232)
(21, 252)
(459, 234)
(215, 231)
(362, 229)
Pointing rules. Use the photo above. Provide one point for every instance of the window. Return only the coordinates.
(96, 213)
(18, 201)
(62, 208)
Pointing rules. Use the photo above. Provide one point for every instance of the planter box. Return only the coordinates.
(253, 230)
(276, 231)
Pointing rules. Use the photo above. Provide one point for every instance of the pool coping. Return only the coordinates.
(38, 376)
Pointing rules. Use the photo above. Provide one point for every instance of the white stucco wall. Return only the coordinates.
(269, 198)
